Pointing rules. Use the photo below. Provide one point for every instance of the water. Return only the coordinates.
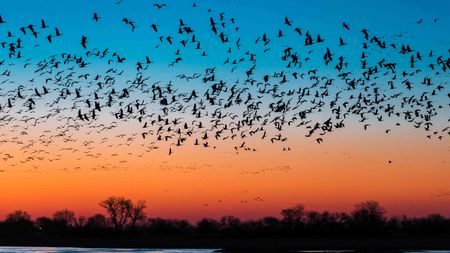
(355, 251)
(97, 250)
(112, 250)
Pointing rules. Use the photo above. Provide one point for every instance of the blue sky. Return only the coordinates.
(384, 18)
(253, 17)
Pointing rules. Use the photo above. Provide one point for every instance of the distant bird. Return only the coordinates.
(57, 32)
(95, 17)
(366, 33)
(43, 25)
(154, 27)
(159, 6)
(287, 21)
(83, 41)
(346, 26)
(147, 100)
(130, 23)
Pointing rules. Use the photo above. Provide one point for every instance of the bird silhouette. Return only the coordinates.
(207, 85)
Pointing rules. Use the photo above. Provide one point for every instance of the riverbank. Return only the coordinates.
(262, 245)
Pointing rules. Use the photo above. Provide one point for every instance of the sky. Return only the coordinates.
(404, 170)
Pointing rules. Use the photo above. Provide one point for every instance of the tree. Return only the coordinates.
(81, 221)
(137, 213)
(313, 218)
(118, 209)
(18, 216)
(18, 223)
(65, 217)
(295, 213)
(46, 226)
(207, 226)
(168, 226)
(369, 215)
(230, 225)
(97, 225)
(293, 217)
(270, 223)
(97, 221)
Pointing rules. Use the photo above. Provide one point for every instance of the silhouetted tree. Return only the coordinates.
(366, 220)
(65, 217)
(18, 223)
(267, 226)
(293, 217)
(96, 225)
(97, 221)
(434, 224)
(169, 226)
(313, 221)
(230, 225)
(64, 221)
(18, 216)
(368, 216)
(207, 226)
(270, 225)
(46, 226)
(118, 209)
(137, 213)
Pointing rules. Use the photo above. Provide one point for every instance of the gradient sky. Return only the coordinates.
(352, 165)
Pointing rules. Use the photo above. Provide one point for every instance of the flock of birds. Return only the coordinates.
(71, 103)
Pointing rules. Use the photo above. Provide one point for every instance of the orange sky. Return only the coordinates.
(348, 167)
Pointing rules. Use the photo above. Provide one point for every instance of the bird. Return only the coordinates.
(287, 21)
(83, 41)
(57, 32)
(43, 25)
(154, 27)
(159, 5)
(208, 86)
(95, 17)
(346, 26)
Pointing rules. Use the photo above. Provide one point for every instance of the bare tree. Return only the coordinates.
(65, 217)
(97, 221)
(118, 209)
(294, 217)
(369, 214)
(18, 223)
(294, 214)
(137, 213)
(18, 216)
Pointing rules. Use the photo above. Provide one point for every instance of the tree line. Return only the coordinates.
(125, 218)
